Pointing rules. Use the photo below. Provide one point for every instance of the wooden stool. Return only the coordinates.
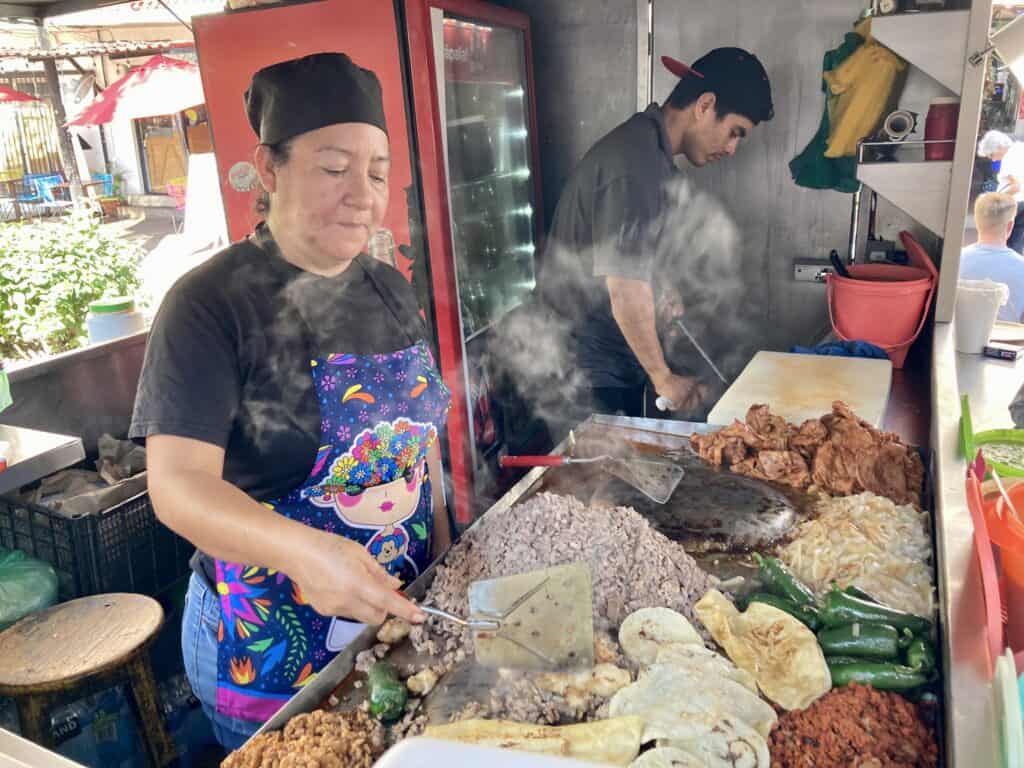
(74, 649)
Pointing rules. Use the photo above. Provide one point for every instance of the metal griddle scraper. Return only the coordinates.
(537, 620)
(657, 480)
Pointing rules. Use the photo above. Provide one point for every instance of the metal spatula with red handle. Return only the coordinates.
(657, 480)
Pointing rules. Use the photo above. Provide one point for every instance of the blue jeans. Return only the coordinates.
(199, 647)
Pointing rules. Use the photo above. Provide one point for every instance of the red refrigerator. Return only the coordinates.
(463, 224)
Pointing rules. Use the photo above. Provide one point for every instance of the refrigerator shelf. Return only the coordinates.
(503, 176)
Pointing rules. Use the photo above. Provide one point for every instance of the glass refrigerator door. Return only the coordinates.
(488, 151)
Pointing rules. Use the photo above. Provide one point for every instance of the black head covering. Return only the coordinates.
(301, 95)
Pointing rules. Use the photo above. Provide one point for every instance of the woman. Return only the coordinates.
(1007, 156)
(291, 409)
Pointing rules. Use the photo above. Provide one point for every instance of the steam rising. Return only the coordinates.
(697, 253)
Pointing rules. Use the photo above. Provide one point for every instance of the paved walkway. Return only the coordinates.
(147, 225)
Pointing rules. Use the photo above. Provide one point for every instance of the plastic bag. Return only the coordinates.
(27, 585)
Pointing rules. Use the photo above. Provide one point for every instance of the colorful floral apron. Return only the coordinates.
(380, 415)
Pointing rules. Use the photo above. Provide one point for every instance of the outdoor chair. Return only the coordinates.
(40, 193)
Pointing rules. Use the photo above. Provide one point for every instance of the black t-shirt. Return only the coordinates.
(228, 358)
(607, 224)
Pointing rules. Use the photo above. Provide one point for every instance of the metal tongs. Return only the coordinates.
(475, 624)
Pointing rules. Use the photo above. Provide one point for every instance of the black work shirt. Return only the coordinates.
(228, 357)
(607, 224)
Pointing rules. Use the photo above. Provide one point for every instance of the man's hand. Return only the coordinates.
(685, 393)
(670, 306)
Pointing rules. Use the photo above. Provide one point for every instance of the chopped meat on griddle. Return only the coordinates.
(786, 467)
(810, 437)
(839, 452)
(774, 431)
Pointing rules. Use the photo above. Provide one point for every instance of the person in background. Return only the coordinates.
(1008, 155)
(990, 258)
(291, 406)
(597, 276)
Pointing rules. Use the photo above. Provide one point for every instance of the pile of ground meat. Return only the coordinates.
(839, 453)
(854, 727)
(315, 740)
(632, 565)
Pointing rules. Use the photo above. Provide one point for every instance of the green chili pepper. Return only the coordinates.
(856, 592)
(779, 580)
(843, 660)
(884, 677)
(806, 614)
(839, 609)
(874, 641)
(921, 655)
(388, 694)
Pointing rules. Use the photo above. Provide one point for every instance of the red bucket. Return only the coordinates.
(885, 305)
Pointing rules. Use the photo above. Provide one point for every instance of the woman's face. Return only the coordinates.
(330, 197)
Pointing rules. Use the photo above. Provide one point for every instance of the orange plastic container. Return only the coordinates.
(1008, 535)
(884, 304)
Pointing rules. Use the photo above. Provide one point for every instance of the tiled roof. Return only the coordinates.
(71, 50)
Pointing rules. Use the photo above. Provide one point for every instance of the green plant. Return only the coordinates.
(49, 274)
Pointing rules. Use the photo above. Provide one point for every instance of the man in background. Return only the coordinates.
(990, 258)
(598, 276)
(1008, 155)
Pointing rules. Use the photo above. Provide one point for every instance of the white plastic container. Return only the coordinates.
(421, 752)
(112, 318)
(977, 306)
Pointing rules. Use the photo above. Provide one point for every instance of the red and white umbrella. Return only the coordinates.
(161, 86)
(11, 96)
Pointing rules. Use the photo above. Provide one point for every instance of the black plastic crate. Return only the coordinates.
(122, 549)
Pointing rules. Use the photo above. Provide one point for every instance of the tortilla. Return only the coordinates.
(782, 654)
(700, 658)
(667, 757)
(615, 741)
(731, 743)
(642, 632)
(664, 694)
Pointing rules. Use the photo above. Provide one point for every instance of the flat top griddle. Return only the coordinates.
(719, 517)
(711, 511)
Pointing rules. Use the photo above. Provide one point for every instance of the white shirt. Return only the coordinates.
(1013, 165)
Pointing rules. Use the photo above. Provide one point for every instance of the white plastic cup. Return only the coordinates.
(977, 306)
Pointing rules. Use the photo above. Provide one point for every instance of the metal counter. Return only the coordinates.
(972, 739)
(34, 455)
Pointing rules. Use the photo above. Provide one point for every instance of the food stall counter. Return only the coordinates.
(32, 455)
(971, 720)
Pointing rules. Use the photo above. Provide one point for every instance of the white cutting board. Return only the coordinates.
(800, 387)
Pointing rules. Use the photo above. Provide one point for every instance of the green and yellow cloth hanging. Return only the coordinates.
(858, 79)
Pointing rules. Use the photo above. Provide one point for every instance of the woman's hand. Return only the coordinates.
(338, 577)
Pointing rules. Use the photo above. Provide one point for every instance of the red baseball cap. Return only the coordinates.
(679, 69)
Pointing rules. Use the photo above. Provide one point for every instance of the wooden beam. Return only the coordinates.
(19, 11)
(61, 7)
(67, 150)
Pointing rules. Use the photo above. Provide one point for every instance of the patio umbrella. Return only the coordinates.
(11, 96)
(161, 86)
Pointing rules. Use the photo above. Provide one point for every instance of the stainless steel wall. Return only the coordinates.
(585, 66)
(85, 393)
(780, 221)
